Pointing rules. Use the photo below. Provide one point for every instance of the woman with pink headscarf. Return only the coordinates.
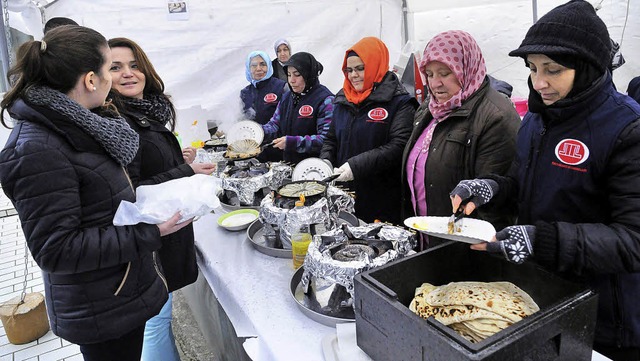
(465, 128)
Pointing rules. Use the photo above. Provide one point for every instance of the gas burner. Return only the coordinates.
(284, 202)
(354, 250)
(247, 170)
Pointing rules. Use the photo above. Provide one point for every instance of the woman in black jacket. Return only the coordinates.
(138, 93)
(63, 168)
(574, 180)
(465, 129)
(371, 124)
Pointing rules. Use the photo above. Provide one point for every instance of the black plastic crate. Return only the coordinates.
(386, 329)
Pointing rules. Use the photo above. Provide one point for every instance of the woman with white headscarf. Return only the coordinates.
(262, 95)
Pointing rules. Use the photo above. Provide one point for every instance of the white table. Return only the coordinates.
(253, 289)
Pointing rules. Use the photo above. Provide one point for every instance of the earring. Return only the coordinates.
(94, 88)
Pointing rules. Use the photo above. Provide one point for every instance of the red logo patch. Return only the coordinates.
(270, 98)
(378, 114)
(305, 111)
(572, 151)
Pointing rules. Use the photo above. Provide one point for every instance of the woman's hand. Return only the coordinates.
(203, 168)
(189, 154)
(171, 225)
(280, 143)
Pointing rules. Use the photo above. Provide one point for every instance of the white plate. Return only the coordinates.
(311, 169)
(473, 230)
(238, 220)
(245, 129)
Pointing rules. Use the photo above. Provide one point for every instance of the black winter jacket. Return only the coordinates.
(100, 281)
(159, 159)
(476, 139)
(370, 137)
(576, 177)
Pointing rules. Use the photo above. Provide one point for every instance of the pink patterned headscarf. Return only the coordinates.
(460, 52)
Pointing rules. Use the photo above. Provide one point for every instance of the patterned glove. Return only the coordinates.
(515, 243)
(345, 173)
(478, 191)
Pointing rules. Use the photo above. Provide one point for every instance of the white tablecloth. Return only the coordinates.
(254, 291)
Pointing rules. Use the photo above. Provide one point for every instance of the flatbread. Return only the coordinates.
(475, 310)
(502, 298)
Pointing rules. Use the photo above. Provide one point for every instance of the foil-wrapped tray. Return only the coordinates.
(255, 234)
(309, 306)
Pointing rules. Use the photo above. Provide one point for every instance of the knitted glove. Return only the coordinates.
(345, 173)
(478, 191)
(515, 243)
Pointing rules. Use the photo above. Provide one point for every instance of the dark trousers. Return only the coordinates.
(126, 348)
(618, 354)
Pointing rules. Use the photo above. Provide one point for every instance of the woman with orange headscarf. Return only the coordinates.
(372, 122)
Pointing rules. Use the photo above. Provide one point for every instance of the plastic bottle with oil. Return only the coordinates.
(300, 240)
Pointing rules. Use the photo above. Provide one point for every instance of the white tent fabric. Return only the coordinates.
(201, 59)
(500, 25)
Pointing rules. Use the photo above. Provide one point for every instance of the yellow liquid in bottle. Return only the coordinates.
(299, 245)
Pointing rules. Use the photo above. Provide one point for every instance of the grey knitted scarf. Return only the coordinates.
(113, 134)
(155, 107)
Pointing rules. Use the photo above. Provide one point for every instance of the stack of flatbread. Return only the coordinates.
(475, 310)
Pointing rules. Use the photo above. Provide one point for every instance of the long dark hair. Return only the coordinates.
(153, 83)
(58, 61)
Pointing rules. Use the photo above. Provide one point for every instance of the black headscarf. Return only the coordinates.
(308, 67)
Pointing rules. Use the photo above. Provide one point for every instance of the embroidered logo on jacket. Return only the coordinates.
(305, 111)
(571, 152)
(377, 115)
(270, 98)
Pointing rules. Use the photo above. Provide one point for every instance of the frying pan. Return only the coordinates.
(324, 182)
(261, 148)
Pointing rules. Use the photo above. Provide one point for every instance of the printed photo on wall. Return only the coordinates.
(177, 10)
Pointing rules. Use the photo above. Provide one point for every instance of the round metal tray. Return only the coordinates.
(230, 208)
(302, 301)
(255, 234)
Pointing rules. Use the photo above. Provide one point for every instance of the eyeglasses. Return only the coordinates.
(359, 69)
(259, 65)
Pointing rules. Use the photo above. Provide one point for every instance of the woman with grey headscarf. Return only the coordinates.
(282, 48)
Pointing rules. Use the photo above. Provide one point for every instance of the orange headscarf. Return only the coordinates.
(375, 56)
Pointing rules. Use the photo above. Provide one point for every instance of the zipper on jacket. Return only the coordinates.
(124, 279)
(617, 311)
(155, 264)
(534, 154)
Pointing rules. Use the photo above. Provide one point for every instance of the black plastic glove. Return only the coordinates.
(515, 243)
(478, 191)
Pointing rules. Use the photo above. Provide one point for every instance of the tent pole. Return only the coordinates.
(534, 4)
(405, 22)
(5, 44)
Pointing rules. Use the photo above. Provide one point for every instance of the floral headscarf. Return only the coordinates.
(460, 52)
(375, 56)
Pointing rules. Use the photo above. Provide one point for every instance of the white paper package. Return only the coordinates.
(191, 196)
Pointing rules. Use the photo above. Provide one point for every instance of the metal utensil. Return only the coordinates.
(455, 221)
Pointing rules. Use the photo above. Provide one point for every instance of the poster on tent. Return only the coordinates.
(177, 10)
